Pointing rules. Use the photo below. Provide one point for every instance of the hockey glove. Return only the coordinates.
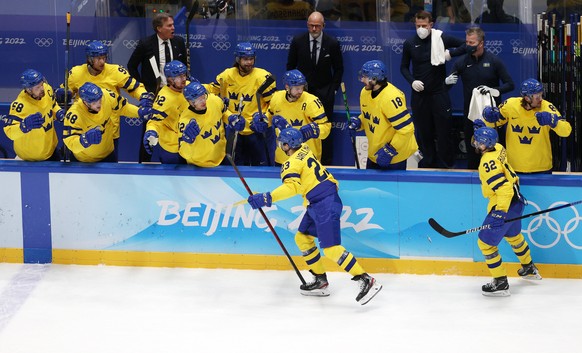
(498, 219)
(191, 131)
(260, 200)
(354, 125)
(385, 154)
(484, 90)
(547, 118)
(150, 139)
(236, 122)
(280, 123)
(309, 131)
(146, 100)
(491, 114)
(60, 115)
(91, 137)
(60, 96)
(451, 79)
(418, 86)
(33, 121)
(477, 124)
(147, 113)
(259, 123)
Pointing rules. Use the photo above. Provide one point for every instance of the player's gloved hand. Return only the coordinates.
(260, 200)
(491, 114)
(477, 124)
(418, 86)
(309, 131)
(226, 102)
(146, 100)
(280, 123)
(33, 121)
(60, 96)
(354, 125)
(451, 79)
(259, 123)
(236, 122)
(498, 218)
(147, 113)
(150, 139)
(60, 115)
(91, 137)
(385, 154)
(547, 118)
(191, 131)
(484, 90)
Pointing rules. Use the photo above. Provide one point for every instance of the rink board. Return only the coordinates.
(182, 216)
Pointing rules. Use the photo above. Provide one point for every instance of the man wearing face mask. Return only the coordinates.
(482, 70)
(430, 103)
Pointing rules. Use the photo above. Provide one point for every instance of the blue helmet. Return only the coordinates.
(194, 90)
(175, 68)
(374, 70)
(294, 78)
(290, 136)
(89, 92)
(95, 48)
(530, 87)
(485, 136)
(30, 78)
(244, 49)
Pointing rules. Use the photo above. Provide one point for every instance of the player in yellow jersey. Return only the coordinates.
(90, 123)
(529, 121)
(500, 185)
(31, 120)
(293, 107)
(202, 124)
(303, 174)
(386, 120)
(167, 107)
(256, 140)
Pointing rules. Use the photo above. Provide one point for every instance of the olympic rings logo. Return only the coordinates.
(289, 38)
(516, 42)
(220, 37)
(397, 48)
(133, 121)
(130, 43)
(545, 219)
(495, 50)
(43, 42)
(221, 46)
(368, 40)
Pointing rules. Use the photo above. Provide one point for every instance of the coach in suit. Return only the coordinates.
(323, 68)
(162, 45)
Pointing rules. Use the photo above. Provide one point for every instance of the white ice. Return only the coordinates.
(85, 309)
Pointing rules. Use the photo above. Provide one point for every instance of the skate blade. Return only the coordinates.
(324, 292)
(536, 277)
(499, 293)
(371, 294)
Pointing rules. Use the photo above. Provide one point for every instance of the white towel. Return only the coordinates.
(478, 103)
(437, 48)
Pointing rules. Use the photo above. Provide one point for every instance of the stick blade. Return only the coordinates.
(442, 231)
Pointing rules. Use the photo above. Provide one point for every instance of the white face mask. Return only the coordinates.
(422, 32)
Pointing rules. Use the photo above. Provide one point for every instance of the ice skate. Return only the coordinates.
(529, 272)
(498, 287)
(368, 288)
(317, 288)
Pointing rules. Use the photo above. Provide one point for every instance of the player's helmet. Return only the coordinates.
(294, 78)
(89, 92)
(485, 136)
(95, 48)
(175, 68)
(290, 136)
(30, 78)
(374, 70)
(530, 87)
(194, 90)
(244, 49)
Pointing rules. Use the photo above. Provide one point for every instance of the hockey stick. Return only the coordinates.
(436, 226)
(66, 152)
(191, 14)
(229, 157)
(343, 86)
(268, 81)
(231, 140)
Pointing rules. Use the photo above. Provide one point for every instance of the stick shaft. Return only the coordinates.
(347, 107)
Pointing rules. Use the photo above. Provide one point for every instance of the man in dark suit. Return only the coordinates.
(155, 46)
(323, 68)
